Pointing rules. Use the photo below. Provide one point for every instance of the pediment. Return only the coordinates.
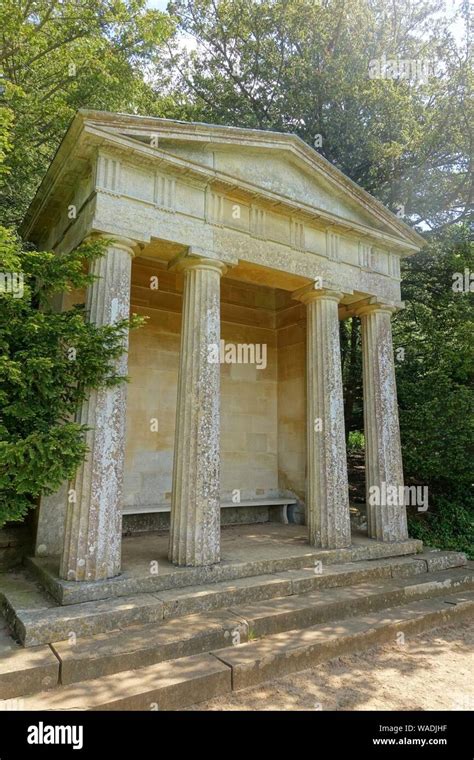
(277, 163)
(274, 168)
(281, 175)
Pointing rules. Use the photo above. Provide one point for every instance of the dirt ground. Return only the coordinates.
(432, 671)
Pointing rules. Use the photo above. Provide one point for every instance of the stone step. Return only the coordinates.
(137, 579)
(40, 625)
(306, 610)
(145, 645)
(282, 653)
(140, 646)
(165, 686)
(24, 671)
(33, 627)
(175, 684)
(195, 599)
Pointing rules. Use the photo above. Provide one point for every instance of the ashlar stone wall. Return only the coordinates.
(262, 403)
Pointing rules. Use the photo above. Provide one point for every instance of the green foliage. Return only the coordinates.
(351, 362)
(449, 525)
(435, 386)
(42, 381)
(356, 441)
(59, 57)
(56, 58)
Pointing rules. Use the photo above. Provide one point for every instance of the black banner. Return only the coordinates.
(97, 734)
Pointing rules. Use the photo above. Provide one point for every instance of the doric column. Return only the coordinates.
(386, 512)
(195, 502)
(327, 499)
(92, 540)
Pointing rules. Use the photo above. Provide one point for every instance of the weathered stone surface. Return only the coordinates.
(41, 626)
(383, 456)
(51, 521)
(93, 529)
(310, 609)
(294, 650)
(188, 680)
(332, 575)
(26, 671)
(271, 209)
(438, 583)
(145, 523)
(379, 549)
(195, 513)
(166, 686)
(363, 605)
(305, 610)
(200, 598)
(438, 560)
(405, 567)
(140, 646)
(18, 591)
(246, 553)
(327, 501)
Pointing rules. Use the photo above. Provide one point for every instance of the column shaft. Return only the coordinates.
(195, 503)
(327, 506)
(92, 540)
(383, 459)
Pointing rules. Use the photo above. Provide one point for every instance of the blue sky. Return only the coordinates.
(159, 4)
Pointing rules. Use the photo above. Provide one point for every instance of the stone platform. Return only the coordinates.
(173, 648)
(246, 551)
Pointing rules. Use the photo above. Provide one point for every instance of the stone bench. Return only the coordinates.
(281, 503)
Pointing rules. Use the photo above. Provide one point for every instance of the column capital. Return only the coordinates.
(375, 305)
(317, 290)
(188, 261)
(130, 246)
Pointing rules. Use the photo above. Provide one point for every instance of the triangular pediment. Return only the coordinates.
(279, 173)
(273, 167)
(278, 163)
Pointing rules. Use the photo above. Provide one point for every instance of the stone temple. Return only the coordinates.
(223, 237)
(206, 543)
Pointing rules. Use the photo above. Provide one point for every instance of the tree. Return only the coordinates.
(60, 55)
(49, 362)
(305, 66)
(435, 385)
